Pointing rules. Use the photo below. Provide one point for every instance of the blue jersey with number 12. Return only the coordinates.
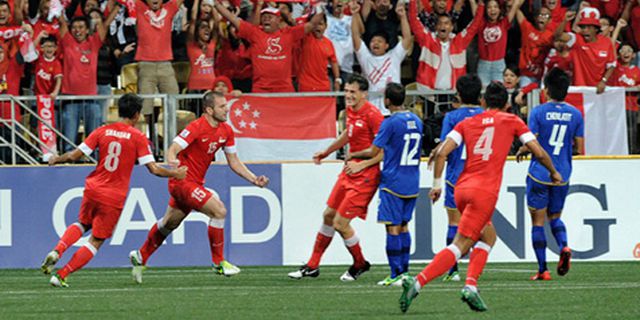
(556, 124)
(400, 136)
(455, 160)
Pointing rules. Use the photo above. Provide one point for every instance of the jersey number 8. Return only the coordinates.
(113, 153)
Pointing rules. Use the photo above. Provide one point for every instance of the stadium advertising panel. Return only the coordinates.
(277, 225)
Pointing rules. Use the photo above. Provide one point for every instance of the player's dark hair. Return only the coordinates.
(363, 84)
(557, 83)
(128, 105)
(381, 34)
(50, 38)
(495, 95)
(209, 98)
(83, 19)
(395, 93)
(469, 88)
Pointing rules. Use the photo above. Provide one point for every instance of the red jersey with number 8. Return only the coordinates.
(120, 146)
(488, 137)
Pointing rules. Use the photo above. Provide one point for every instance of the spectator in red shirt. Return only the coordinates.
(628, 75)
(154, 53)
(80, 50)
(233, 59)
(42, 21)
(223, 85)
(560, 56)
(317, 53)
(536, 42)
(492, 39)
(48, 69)
(201, 49)
(271, 47)
(593, 55)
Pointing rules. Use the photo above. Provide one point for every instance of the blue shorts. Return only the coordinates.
(540, 196)
(394, 210)
(449, 199)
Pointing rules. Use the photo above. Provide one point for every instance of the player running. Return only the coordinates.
(106, 188)
(195, 148)
(400, 137)
(558, 126)
(488, 138)
(469, 89)
(353, 191)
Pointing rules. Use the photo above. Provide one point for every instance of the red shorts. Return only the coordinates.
(476, 207)
(101, 217)
(187, 196)
(351, 197)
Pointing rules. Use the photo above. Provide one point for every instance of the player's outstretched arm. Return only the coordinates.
(159, 171)
(70, 156)
(335, 145)
(353, 167)
(440, 156)
(241, 169)
(545, 160)
(368, 153)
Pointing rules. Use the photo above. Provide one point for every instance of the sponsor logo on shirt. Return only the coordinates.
(359, 123)
(602, 54)
(203, 61)
(492, 34)
(185, 133)
(273, 46)
(44, 75)
(156, 20)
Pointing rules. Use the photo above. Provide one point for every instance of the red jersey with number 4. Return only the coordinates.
(488, 137)
(120, 146)
(200, 141)
(362, 127)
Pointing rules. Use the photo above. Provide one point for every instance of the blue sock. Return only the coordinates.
(394, 254)
(559, 232)
(539, 242)
(451, 233)
(405, 239)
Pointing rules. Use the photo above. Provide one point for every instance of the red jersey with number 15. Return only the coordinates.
(488, 137)
(200, 141)
(120, 146)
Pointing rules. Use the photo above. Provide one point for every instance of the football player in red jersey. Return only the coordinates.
(106, 187)
(195, 148)
(488, 137)
(355, 187)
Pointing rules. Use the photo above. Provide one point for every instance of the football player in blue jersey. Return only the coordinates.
(400, 139)
(559, 127)
(469, 88)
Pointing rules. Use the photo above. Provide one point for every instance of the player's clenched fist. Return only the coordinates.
(261, 181)
(435, 194)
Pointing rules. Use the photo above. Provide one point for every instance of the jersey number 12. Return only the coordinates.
(409, 153)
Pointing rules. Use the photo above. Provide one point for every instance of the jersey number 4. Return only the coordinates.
(409, 152)
(483, 145)
(112, 160)
(556, 140)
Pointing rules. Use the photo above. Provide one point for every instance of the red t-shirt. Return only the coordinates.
(554, 60)
(80, 65)
(271, 56)
(200, 141)
(10, 73)
(52, 28)
(492, 40)
(591, 60)
(487, 137)
(201, 76)
(46, 73)
(120, 146)
(362, 127)
(627, 76)
(154, 31)
(535, 45)
(316, 54)
(235, 64)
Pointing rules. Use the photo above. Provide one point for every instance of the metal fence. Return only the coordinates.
(19, 142)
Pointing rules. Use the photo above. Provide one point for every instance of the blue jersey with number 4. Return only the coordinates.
(556, 124)
(400, 136)
(456, 159)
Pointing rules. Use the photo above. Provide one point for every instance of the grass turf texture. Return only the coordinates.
(589, 291)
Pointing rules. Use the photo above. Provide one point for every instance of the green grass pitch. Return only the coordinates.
(590, 291)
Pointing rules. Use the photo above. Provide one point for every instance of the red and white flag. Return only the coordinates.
(46, 135)
(269, 128)
(605, 125)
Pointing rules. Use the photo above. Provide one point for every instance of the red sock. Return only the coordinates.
(321, 245)
(79, 259)
(443, 261)
(71, 235)
(353, 245)
(154, 240)
(477, 261)
(216, 244)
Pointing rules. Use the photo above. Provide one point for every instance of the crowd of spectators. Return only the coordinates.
(79, 47)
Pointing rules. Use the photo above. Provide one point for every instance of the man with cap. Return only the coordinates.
(593, 55)
(271, 47)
